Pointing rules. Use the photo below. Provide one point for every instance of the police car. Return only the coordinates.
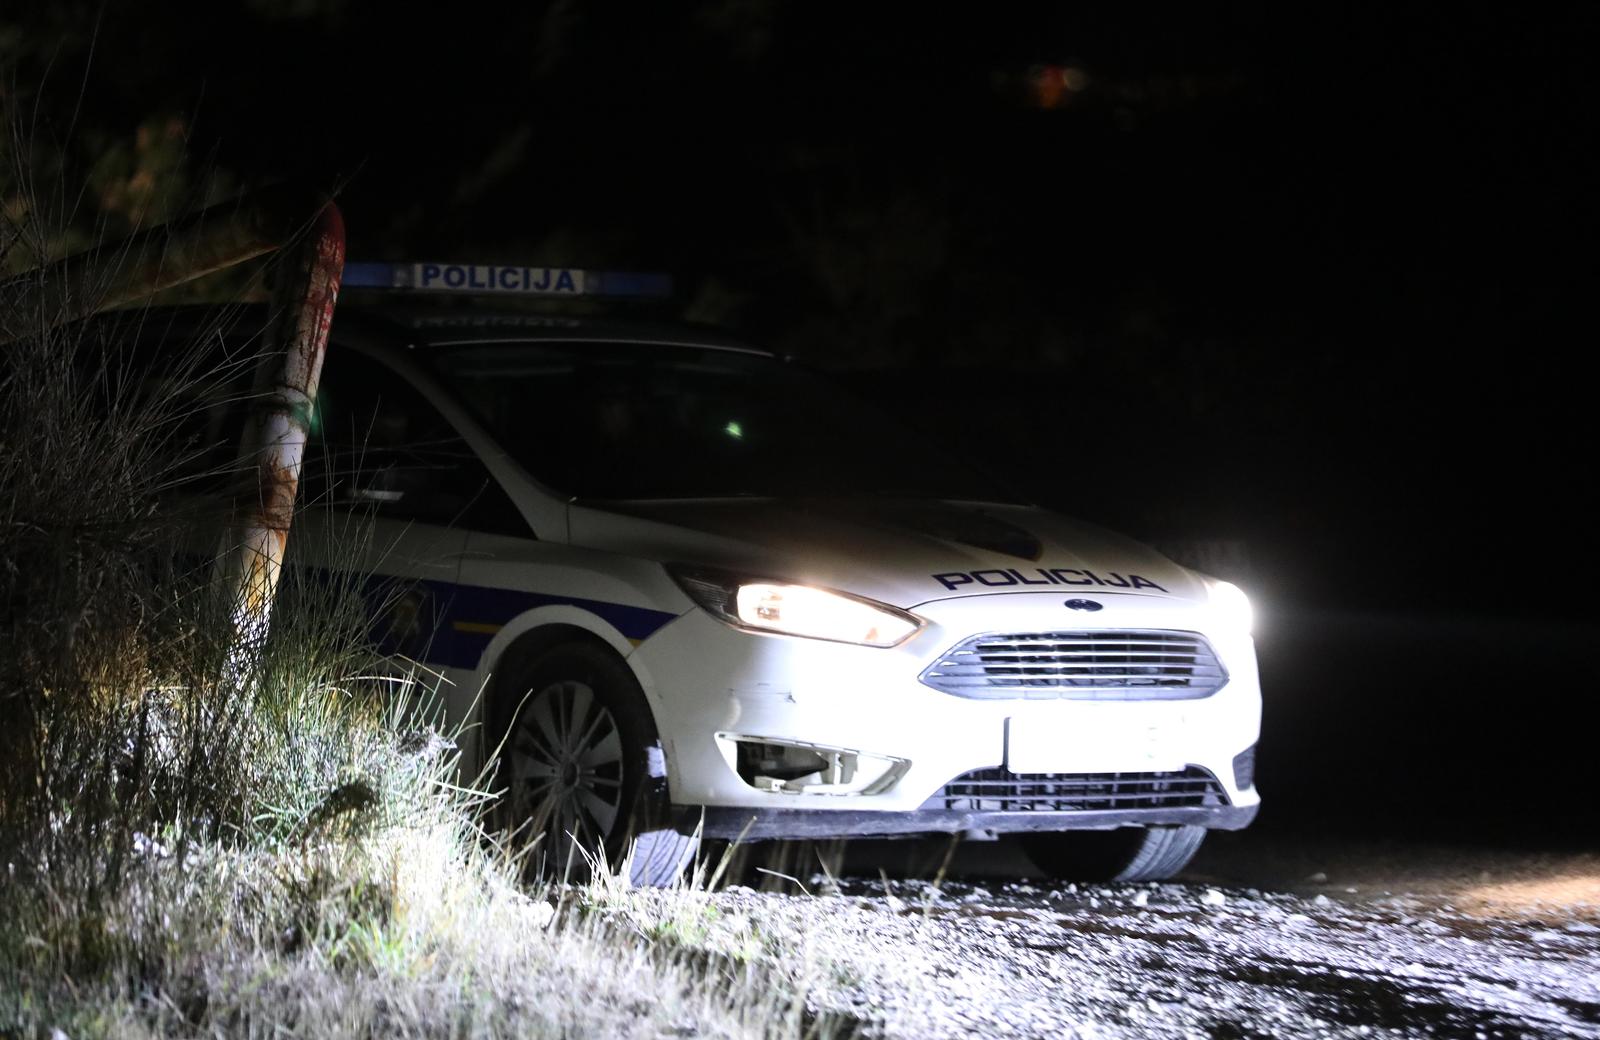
(691, 590)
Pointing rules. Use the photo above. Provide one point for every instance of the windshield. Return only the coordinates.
(627, 421)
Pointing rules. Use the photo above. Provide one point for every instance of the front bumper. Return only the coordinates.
(707, 680)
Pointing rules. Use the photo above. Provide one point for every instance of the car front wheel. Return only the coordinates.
(584, 770)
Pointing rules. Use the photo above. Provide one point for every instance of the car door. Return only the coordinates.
(389, 492)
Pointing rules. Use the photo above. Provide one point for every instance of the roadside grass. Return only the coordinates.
(413, 929)
(204, 839)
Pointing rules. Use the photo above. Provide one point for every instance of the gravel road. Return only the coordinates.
(1016, 958)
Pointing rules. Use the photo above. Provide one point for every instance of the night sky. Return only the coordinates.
(1317, 285)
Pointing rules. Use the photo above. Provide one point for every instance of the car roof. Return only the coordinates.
(402, 326)
(456, 326)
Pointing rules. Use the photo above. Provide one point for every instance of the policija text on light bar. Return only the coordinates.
(509, 279)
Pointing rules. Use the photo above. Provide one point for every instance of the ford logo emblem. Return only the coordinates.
(1084, 604)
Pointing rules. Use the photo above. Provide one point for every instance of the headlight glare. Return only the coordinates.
(798, 610)
(1233, 604)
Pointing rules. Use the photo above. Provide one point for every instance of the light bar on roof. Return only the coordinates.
(504, 280)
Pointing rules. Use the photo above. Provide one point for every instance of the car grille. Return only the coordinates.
(1000, 790)
(1093, 665)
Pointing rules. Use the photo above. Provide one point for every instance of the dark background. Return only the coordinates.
(1300, 299)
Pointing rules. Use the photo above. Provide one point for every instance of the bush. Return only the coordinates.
(199, 836)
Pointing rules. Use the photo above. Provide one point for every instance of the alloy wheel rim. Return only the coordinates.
(567, 771)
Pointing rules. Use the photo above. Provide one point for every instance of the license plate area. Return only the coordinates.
(1095, 741)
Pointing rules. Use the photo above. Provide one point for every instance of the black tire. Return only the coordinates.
(583, 769)
(1125, 854)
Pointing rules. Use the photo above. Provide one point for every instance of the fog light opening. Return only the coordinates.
(792, 767)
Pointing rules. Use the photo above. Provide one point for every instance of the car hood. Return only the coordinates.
(894, 551)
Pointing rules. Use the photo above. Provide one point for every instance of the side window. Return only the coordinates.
(377, 444)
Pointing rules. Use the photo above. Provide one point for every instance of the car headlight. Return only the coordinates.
(797, 610)
(1232, 604)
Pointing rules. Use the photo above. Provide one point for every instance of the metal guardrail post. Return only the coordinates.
(275, 436)
(145, 264)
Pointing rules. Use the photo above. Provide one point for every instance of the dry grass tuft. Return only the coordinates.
(191, 847)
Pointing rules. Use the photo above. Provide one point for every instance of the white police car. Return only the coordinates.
(689, 588)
